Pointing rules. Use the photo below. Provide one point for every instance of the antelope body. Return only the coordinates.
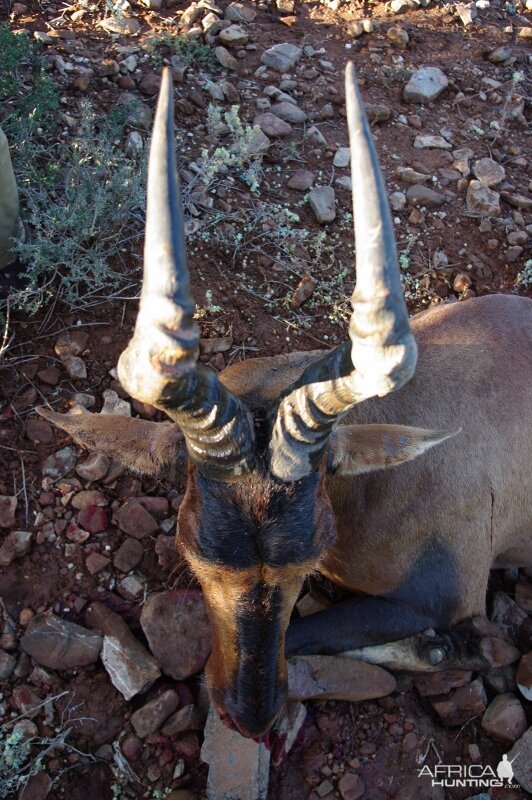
(310, 461)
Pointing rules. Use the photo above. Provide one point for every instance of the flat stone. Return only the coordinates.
(88, 497)
(272, 126)
(336, 678)
(127, 26)
(177, 628)
(462, 705)
(419, 195)
(322, 203)
(521, 758)
(58, 644)
(93, 519)
(488, 171)
(188, 718)
(152, 715)
(234, 36)
(282, 57)
(238, 767)
(130, 666)
(425, 85)
(238, 12)
(288, 112)
(482, 200)
(96, 562)
(75, 367)
(410, 175)
(504, 719)
(59, 464)
(377, 112)
(39, 431)
(94, 468)
(301, 180)
(342, 157)
(429, 141)
(225, 58)
(315, 136)
(133, 519)
(128, 555)
(8, 507)
(15, 545)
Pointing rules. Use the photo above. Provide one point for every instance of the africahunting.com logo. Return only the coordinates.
(475, 776)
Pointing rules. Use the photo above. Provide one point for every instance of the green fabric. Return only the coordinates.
(8, 204)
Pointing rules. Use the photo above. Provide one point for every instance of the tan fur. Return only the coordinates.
(473, 491)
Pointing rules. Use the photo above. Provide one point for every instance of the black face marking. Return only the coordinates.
(259, 521)
(256, 694)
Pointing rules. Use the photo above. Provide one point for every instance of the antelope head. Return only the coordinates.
(256, 518)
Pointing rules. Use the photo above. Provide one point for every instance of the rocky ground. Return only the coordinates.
(90, 580)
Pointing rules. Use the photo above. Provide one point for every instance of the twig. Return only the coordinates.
(24, 491)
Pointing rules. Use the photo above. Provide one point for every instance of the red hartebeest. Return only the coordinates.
(289, 457)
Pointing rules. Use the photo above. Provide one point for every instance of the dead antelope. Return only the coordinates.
(289, 457)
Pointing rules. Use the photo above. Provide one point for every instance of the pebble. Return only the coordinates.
(225, 58)
(177, 628)
(75, 367)
(351, 786)
(58, 644)
(15, 545)
(128, 555)
(521, 757)
(7, 665)
(410, 175)
(71, 343)
(94, 468)
(272, 126)
(301, 180)
(38, 787)
(39, 431)
(336, 678)
(425, 85)
(377, 112)
(88, 497)
(95, 563)
(500, 54)
(397, 201)
(488, 171)
(238, 767)
(524, 676)
(239, 12)
(281, 57)
(49, 375)
(59, 464)
(505, 719)
(467, 13)
(151, 716)
(127, 26)
(462, 704)
(315, 136)
(517, 200)
(342, 157)
(133, 519)
(188, 718)
(138, 113)
(482, 200)
(323, 204)
(428, 141)
(419, 195)
(398, 36)
(461, 282)
(94, 519)
(288, 112)
(8, 507)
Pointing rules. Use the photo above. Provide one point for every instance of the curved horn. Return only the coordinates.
(159, 365)
(382, 356)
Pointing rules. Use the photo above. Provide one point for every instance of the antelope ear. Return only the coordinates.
(145, 447)
(354, 449)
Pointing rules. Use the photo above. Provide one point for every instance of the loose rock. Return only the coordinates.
(488, 171)
(59, 464)
(225, 58)
(282, 57)
(462, 705)
(177, 628)
(322, 202)
(152, 715)
(424, 196)
(94, 468)
(342, 157)
(133, 519)
(58, 644)
(238, 767)
(8, 507)
(428, 141)
(15, 545)
(481, 200)
(425, 85)
(235, 36)
(351, 786)
(521, 757)
(288, 112)
(128, 555)
(505, 719)
(336, 678)
(272, 126)
(301, 180)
